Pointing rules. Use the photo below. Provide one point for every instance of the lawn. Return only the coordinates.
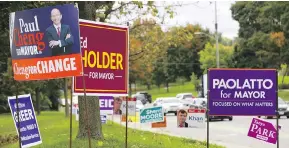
(284, 94)
(286, 80)
(54, 128)
(176, 88)
(156, 92)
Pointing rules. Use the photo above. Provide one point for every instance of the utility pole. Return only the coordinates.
(216, 36)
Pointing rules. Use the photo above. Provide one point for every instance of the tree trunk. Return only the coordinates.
(66, 99)
(93, 114)
(284, 75)
(167, 85)
(135, 87)
(87, 11)
(37, 93)
(148, 86)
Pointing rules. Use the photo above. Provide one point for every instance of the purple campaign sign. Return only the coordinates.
(263, 130)
(30, 134)
(247, 92)
(106, 104)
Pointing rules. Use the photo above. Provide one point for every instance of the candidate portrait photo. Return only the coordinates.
(182, 117)
(59, 36)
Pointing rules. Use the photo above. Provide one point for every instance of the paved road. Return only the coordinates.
(232, 134)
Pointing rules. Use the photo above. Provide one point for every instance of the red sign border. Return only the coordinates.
(103, 92)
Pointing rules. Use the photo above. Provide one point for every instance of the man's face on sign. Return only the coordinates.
(182, 117)
(56, 16)
(117, 103)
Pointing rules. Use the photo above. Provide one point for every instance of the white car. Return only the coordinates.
(184, 106)
(169, 104)
(196, 103)
(185, 97)
(200, 102)
(139, 105)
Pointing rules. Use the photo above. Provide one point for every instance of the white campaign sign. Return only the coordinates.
(131, 107)
(196, 118)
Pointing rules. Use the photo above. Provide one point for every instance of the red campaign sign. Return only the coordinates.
(129, 99)
(196, 110)
(104, 58)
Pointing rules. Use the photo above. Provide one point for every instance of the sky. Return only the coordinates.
(203, 13)
(195, 12)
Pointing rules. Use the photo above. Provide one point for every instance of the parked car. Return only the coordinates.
(185, 97)
(169, 104)
(283, 109)
(147, 95)
(201, 103)
(140, 97)
(185, 105)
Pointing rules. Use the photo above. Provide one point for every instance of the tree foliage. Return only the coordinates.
(208, 56)
(263, 32)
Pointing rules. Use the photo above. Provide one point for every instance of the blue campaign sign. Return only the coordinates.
(30, 134)
(45, 43)
(151, 115)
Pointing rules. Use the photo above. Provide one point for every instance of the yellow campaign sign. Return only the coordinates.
(131, 118)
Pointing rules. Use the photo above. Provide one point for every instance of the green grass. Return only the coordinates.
(156, 92)
(189, 87)
(286, 80)
(284, 94)
(175, 88)
(54, 128)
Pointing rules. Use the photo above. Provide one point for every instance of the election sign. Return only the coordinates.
(263, 130)
(30, 133)
(130, 118)
(160, 124)
(103, 119)
(131, 102)
(191, 118)
(197, 118)
(105, 59)
(106, 104)
(119, 106)
(44, 43)
(248, 92)
(151, 115)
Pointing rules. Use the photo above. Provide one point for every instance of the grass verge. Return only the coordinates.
(188, 87)
(54, 128)
(284, 94)
(175, 88)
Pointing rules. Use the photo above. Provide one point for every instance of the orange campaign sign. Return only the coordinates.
(160, 124)
(105, 59)
(45, 43)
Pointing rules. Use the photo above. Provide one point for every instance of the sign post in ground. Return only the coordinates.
(40, 48)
